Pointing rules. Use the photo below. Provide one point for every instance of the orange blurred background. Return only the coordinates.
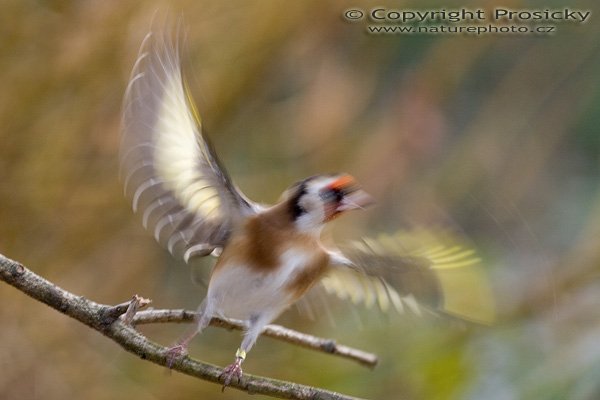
(497, 135)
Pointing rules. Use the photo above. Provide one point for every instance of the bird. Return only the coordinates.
(267, 256)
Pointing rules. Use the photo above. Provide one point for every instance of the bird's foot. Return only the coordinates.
(232, 371)
(175, 352)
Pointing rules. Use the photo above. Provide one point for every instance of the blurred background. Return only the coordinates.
(497, 135)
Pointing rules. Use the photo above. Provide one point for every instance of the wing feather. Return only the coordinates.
(418, 271)
(170, 170)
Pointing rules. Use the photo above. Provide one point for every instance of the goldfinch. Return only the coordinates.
(268, 257)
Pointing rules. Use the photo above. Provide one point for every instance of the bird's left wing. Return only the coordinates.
(169, 169)
(416, 271)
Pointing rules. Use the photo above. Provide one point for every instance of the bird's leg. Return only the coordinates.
(234, 370)
(179, 349)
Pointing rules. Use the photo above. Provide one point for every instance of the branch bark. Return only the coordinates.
(106, 320)
(274, 331)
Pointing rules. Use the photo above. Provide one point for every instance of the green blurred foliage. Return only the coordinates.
(496, 134)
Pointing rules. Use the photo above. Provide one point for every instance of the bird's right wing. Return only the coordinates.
(169, 169)
(417, 271)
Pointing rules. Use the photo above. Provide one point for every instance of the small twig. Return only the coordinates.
(99, 316)
(125, 310)
(136, 303)
(274, 331)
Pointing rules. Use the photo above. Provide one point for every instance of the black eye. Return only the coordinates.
(330, 195)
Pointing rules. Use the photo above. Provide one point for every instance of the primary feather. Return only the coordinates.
(169, 168)
(413, 270)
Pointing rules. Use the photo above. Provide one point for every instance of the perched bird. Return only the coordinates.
(268, 257)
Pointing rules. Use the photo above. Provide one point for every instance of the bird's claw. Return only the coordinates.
(232, 371)
(175, 352)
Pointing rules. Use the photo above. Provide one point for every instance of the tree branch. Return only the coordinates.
(274, 331)
(105, 319)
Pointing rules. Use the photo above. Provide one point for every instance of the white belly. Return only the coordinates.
(240, 292)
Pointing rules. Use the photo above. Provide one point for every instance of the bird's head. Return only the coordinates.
(319, 199)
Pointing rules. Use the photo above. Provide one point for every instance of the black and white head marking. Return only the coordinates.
(297, 209)
(309, 200)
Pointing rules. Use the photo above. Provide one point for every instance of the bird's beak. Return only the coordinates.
(357, 199)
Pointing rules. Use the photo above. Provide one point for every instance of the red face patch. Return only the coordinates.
(342, 182)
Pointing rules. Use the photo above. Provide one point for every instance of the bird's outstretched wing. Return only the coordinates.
(416, 271)
(169, 169)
